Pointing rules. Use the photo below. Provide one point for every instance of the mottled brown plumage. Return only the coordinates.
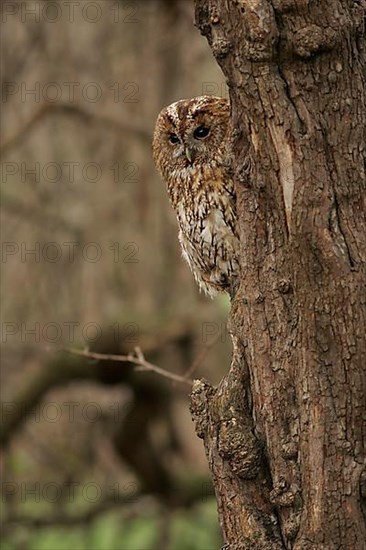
(192, 151)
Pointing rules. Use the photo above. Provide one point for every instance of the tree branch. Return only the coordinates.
(63, 369)
(137, 358)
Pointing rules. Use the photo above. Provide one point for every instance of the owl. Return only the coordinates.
(192, 152)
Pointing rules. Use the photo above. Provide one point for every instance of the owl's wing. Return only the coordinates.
(209, 238)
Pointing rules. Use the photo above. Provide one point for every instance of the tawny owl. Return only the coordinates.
(192, 152)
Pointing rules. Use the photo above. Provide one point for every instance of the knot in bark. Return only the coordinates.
(284, 286)
(261, 33)
(201, 395)
(238, 445)
(221, 47)
(284, 495)
(313, 39)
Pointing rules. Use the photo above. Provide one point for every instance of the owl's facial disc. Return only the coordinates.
(189, 142)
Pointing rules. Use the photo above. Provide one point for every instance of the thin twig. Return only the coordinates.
(137, 358)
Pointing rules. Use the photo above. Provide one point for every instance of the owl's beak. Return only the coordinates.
(189, 155)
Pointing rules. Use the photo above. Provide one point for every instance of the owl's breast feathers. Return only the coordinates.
(206, 211)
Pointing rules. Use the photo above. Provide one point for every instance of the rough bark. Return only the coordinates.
(284, 432)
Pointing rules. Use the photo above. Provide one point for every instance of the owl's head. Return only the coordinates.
(190, 132)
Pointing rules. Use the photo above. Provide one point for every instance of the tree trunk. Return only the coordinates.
(284, 430)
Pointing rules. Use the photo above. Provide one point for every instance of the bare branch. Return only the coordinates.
(137, 358)
(62, 370)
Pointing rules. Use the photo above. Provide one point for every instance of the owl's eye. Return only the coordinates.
(201, 132)
(173, 138)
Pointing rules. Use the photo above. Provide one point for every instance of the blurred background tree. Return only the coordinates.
(95, 454)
